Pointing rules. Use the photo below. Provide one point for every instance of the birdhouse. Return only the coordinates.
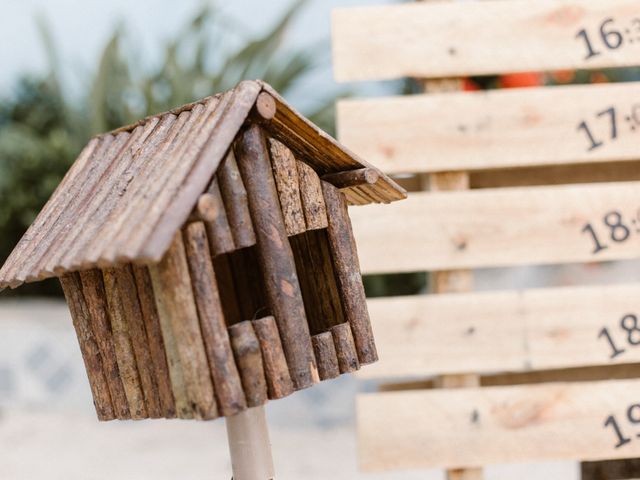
(207, 257)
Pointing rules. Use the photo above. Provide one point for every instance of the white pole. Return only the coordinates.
(249, 445)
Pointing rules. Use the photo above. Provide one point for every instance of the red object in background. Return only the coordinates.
(518, 80)
(469, 85)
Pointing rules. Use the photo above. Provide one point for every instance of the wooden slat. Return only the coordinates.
(460, 39)
(480, 426)
(503, 227)
(495, 129)
(426, 335)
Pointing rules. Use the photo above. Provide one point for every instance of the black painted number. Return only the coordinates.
(629, 328)
(609, 37)
(633, 418)
(618, 230)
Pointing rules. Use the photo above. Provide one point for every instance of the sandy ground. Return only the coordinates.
(48, 429)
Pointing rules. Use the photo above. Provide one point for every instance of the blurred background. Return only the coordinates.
(73, 69)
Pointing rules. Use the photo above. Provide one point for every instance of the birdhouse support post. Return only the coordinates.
(249, 445)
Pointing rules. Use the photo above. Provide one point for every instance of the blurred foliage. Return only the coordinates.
(42, 130)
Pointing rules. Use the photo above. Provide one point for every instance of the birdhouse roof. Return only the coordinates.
(131, 189)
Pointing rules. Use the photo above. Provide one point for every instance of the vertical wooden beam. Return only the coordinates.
(276, 371)
(315, 212)
(96, 299)
(127, 291)
(455, 280)
(79, 310)
(345, 348)
(347, 269)
(123, 342)
(155, 340)
(246, 349)
(276, 258)
(228, 386)
(172, 284)
(218, 230)
(326, 355)
(285, 172)
(234, 195)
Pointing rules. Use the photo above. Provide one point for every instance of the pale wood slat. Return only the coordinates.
(495, 129)
(469, 38)
(501, 227)
(512, 331)
(480, 426)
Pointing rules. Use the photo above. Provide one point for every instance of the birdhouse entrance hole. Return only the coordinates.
(242, 288)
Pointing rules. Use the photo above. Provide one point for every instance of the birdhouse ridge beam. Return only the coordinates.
(276, 257)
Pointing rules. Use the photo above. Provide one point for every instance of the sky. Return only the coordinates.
(81, 29)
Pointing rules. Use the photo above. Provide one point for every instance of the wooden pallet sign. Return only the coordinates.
(500, 178)
(189, 248)
(458, 39)
(495, 129)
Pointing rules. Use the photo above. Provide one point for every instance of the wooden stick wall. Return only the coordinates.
(258, 296)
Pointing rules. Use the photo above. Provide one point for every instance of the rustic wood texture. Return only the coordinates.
(96, 302)
(315, 212)
(131, 189)
(510, 331)
(323, 153)
(218, 230)
(276, 371)
(352, 178)
(625, 469)
(417, 40)
(345, 348)
(80, 314)
(499, 129)
(183, 406)
(175, 289)
(123, 340)
(145, 197)
(226, 379)
(205, 209)
(125, 288)
(246, 349)
(524, 423)
(285, 173)
(156, 343)
(234, 196)
(347, 270)
(326, 356)
(276, 258)
(444, 231)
